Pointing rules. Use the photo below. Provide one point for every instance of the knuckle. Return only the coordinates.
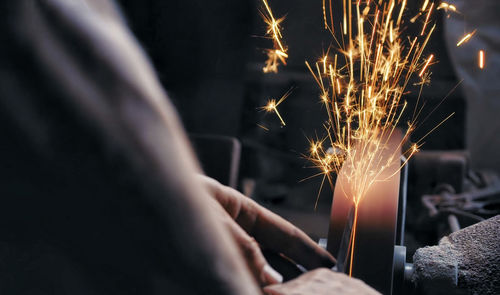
(251, 248)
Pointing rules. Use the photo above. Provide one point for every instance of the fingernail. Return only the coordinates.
(271, 275)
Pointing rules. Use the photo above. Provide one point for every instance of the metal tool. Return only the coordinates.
(379, 254)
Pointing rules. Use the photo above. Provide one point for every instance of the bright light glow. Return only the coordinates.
(481, 59)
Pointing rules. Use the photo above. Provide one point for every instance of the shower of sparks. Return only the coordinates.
(465, 38)
(279, 52)
(481, 59)
(272, 106)
(362, 87)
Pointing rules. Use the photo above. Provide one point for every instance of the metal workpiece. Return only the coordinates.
(465, 262)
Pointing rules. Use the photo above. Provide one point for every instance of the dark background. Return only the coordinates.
(209, 56)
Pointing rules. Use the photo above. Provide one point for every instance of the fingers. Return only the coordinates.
(262, 271)
(321, 282)
(279, 235)
(275, 233)
(269, 229)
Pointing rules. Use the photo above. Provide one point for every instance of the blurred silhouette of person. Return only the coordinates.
(101, 193)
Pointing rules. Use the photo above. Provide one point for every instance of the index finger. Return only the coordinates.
(277, 234)
(270, 230)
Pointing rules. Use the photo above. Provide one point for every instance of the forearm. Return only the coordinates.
(108, 89)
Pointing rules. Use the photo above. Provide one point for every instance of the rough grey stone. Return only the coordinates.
(465, 262)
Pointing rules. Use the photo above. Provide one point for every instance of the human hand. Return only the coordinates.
(321, 282)
(252, 226)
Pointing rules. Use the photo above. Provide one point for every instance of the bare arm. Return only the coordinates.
(76, 66)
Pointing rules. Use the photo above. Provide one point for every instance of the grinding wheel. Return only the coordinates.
(377, 223)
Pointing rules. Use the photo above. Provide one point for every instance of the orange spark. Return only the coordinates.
(466, 38)
(424, 6)
(427, 18)
(481, 59)
(426, 65)
(263, 127)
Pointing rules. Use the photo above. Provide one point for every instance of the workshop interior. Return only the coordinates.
(431, 225)
(217, 84)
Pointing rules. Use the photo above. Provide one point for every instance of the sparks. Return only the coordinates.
(272, 106)
(447, 7)
(427, 19)
(361, 88)
(481, 59)
(263, 127)
(274, 57)
(427, 63)
(279, 52)
(364, 112)
(466, 38)
(324, 15)
(424, 6)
